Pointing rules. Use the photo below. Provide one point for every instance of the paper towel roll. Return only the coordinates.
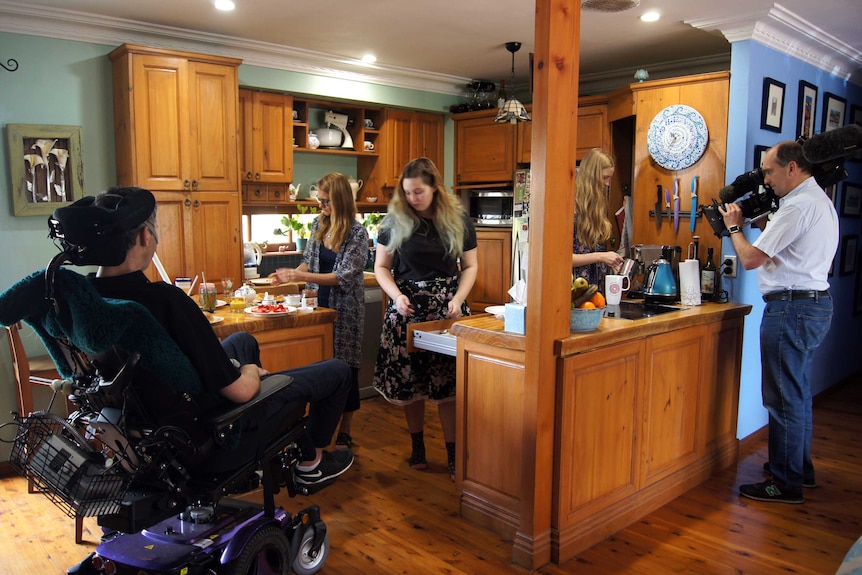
(689, 280)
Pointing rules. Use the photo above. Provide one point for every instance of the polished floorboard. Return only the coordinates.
(384, 518)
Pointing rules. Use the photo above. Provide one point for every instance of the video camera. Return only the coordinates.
(758, 200)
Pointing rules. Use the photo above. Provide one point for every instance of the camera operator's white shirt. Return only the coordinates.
(800, 239)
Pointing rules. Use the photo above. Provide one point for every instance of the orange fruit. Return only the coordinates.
(588, 305)
(598, 300)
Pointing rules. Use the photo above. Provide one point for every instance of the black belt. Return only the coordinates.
(794, 294)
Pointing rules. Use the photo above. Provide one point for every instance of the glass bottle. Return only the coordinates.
(707, 276)
(501, 94)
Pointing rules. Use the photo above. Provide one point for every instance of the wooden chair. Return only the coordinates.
(30, 371)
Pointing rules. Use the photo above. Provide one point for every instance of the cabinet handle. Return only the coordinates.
(188, 202)
(186, 184)
(194, 184)
(197, 204)
(277, 194)
(258, 193)
(257, 175)
(248, 175)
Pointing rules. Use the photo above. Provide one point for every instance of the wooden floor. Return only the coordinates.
(384, 518)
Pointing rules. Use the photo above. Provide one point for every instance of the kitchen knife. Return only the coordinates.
(693, 203)
(675, 205)
(667, 205)
(658, 214)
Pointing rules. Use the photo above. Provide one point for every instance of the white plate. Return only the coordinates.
(498, 311)
(251, 311)
(216, 319)
(262, 281)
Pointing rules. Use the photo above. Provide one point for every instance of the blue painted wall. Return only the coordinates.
(839, 355)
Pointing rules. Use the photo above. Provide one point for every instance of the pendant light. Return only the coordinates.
(512, 111)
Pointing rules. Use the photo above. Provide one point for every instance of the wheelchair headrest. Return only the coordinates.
(98, 232)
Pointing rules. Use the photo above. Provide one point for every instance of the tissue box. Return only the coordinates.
(516, 318)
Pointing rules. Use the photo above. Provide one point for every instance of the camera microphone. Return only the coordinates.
(833, 145)
(727, 194)
(743, 184)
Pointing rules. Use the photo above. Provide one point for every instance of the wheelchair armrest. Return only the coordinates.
(268, 386)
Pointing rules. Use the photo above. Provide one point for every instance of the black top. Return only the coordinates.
(423, 256)
(327, 264)
(182, 319)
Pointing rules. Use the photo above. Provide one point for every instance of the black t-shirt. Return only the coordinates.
(184, 322)
(423, 256)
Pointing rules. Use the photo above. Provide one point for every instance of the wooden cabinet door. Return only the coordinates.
(525, 143)
(428, 137)
(494, 253)
(161, 155)
(217, 235)
(245, 143)
(289, 348)
(176, 242)
(484, 151)
(592, 130)
(396, 145)
(212, 104)
(265, 136)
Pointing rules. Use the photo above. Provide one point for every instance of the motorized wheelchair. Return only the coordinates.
(157, 475)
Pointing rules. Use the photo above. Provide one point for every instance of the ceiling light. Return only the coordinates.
(650, 16)
(512, 111)
(224, 5)
(369, 58)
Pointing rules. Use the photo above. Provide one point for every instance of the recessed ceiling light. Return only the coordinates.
(369, 58)
(224, 5)
(650, 16)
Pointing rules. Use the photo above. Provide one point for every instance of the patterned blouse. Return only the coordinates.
(595, 272)
(348, 297)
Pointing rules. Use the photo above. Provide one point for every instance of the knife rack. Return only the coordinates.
(669, 214)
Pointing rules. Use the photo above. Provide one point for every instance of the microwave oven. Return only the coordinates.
(492, 207)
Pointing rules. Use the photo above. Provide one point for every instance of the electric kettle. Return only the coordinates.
(659, 282)
(251, 257)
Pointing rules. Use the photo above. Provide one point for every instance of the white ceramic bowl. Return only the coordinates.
(372, 200)
(328, 137)
(585, 319)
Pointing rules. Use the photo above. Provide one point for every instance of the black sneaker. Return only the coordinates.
(770, 492)
(331, 465)
(343, 441)
(808, 482)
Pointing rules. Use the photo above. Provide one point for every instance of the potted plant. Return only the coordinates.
(372, 222)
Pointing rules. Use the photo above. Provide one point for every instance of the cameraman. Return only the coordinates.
(792, 256)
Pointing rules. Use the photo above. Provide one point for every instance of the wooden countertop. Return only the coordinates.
(487, 329)
(236, 322)
(368, 280)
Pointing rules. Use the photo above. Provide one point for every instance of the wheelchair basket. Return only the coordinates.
(66, 468)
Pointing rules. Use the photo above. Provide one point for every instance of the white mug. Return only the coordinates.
(614, 288)
(369, 124)
(369, 146)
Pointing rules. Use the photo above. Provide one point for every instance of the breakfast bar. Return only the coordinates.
(645, 410)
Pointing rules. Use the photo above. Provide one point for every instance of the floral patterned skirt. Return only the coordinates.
(402, 377)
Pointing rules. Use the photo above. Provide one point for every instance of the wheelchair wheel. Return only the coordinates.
(267, 553)
(306, 564)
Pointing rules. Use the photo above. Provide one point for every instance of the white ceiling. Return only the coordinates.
(448, 41)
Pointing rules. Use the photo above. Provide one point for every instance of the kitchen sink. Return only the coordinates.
(639, 309)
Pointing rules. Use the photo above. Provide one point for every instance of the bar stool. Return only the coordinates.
(30, 371)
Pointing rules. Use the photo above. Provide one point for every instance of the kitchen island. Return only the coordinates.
(644, 411)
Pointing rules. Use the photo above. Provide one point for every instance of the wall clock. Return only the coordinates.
(677, 137)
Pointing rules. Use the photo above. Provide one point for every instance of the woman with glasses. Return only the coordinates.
(590, 258)
(426, 263)
(333, 263)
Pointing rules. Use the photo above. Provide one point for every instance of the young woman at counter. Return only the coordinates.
(333, 262)
(422, 238)
(590, 258)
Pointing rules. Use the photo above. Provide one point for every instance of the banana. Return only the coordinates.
(588, 293)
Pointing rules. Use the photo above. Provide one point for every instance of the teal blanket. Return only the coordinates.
(94, 325)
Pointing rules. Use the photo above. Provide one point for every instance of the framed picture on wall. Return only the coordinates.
(834, 109)
(856, 114)
(851, 200)
(849, 247)
(806, 109)
(772, 109)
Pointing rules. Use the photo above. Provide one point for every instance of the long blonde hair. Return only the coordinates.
(340, 222)
(447, 212)
(591, 204)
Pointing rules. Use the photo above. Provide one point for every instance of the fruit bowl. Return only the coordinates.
(582, 320)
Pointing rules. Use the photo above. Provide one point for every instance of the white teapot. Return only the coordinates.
(355, 185)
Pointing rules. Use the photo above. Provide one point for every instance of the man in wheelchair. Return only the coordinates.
(229, 370)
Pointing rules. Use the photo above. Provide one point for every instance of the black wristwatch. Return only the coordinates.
(733, 230)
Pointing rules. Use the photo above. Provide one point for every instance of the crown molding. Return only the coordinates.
(605, 82)
(95, 29)
(784, 31)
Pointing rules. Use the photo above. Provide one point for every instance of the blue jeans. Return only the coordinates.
(789, 334)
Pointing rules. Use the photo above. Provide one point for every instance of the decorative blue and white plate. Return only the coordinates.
(677, 137)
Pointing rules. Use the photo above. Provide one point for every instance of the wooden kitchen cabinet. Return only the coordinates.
(266, 132)
(484, 149)
(494, 254)
(199, 232)
(175, 119)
